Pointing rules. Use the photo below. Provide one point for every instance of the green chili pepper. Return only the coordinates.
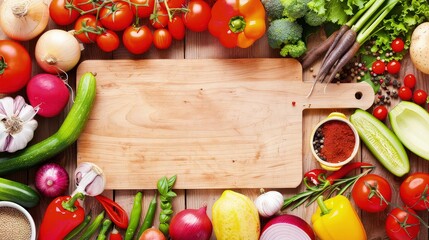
(92, 228)
(150, 216)
(136, 212)
(79, 228)
(104, 229)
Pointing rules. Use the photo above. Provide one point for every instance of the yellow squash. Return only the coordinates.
(235, 217)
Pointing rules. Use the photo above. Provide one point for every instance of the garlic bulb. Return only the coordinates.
(89, 179)
(16, 124)
(269, 203)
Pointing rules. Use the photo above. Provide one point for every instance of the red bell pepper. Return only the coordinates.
(237, 23)
(61, 217)
(115, 212)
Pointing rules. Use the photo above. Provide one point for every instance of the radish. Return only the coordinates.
(49, 93)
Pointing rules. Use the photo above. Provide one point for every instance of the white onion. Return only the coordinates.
(57, 51)
(24, 20)
(287, 227)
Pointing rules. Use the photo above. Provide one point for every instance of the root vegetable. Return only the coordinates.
(419, 48)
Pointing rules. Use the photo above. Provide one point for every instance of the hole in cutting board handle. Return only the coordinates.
(358, 95)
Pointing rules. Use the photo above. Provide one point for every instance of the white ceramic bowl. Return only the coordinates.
(335, 116)
(25, 212)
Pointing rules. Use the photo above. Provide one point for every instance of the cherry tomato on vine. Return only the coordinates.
(393, 67)
(162, 38)
(397, 45)
(89, 6)
(378, 67)
(177, 28)
(137, 40)
(420, 96)
(86, 28)
(15, 66)
(401, 224)
(159, 19)
(60, 14)
(116, 16)
(372, 193)
(144, 9)
(108, 41)
(405, 93)
(414, 191)
(410, 80)
(198, 15)
(380, 112)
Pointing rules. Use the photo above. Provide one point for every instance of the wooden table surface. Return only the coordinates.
(204, 46)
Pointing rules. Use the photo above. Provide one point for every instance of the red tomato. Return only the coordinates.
(60, 14)
(405, 93)
(414, 191)
(108, 41)
(87, 5)
(162, 38)
(397, 45)
(144, 9)
(117, 16)
(393, 67)
(401, 225)
(372, 193)
(380, 112)
(15, 66)
(177, 28)
(85, 27)
(173, 3)
(198, 15)
(410, 80)
(137, 40)
(152, 234)
(160, 18)
(420, 96)
(378, 67)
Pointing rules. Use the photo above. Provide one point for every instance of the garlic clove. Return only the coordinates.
(27, 113)
(90, 179)
(3, 136)
(8, 106)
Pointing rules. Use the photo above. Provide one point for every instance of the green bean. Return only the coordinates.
(79, 228)
(104, 229)
(92, 228)
(136, 212)
(150, 216)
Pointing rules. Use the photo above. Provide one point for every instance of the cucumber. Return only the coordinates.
(410, 122)
(66, 135)
(382, 142)
(18, 193)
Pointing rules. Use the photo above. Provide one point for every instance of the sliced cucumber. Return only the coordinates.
(410, 122)
(382, 142)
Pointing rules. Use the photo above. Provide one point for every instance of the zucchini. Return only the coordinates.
(382, 142)
(18, 193)
(410, 122)
(66, 135)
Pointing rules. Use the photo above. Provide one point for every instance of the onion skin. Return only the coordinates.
(284, 226)
(52, 180)
(49, 93)
(191, 224)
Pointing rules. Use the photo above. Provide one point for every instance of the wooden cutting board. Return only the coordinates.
(215, 123)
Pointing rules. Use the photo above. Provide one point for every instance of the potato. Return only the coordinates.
(419, 48)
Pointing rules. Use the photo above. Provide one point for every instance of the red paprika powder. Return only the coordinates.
(338, 141)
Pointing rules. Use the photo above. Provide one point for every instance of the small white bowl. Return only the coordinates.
(335, 116)
(25, 212)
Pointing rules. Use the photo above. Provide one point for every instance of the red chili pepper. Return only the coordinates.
(115, 235)
(115, 212)
(346, 169)
(314, 175)
(61, 216)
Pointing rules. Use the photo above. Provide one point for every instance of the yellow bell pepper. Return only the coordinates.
(336, 219)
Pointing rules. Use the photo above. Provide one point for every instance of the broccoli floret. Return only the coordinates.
(314, 19)
(295, 9)
(294, 50)
(282, 31)
(274, 9)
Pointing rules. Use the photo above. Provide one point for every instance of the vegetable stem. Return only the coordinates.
(368, 14)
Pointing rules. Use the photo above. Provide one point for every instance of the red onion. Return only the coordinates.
(191, 224)
(287, 227)
(52, 180)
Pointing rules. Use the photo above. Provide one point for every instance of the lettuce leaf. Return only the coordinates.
(336, 11)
